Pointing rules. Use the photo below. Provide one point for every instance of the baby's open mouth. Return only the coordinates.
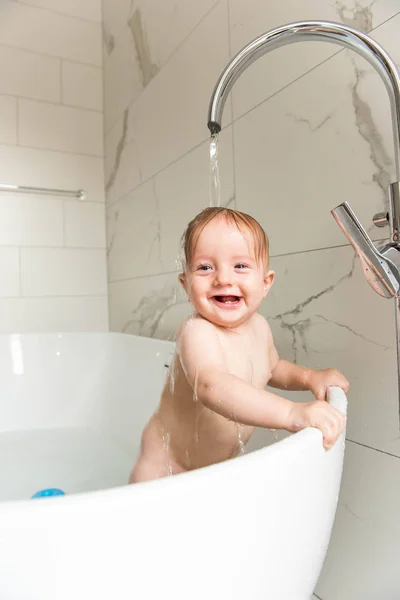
(227, 300)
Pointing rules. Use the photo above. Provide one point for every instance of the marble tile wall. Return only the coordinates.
(52, 249)
(305, 128)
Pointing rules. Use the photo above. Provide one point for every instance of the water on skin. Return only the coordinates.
(196, 426)
(189, 323)
(242, 448)
(223, 342)
(215, 189)
(171, 374)
(166, 436)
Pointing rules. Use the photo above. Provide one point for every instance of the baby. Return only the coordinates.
(215, 392)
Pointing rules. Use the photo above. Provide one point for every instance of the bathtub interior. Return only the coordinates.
(73, 407)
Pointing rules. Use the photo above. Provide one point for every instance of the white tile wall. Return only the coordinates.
(311, 129)
(82, 85)
(62, 272)
(8, 120)
(84, 224)
(122, 167)
(168, 129)
(33, 315)
(9, 269)
(137, 45)
(115, 15)
(60, 128)
(90, 9)
(32, 75)
(134, 235)
(176, 19)
(50, 33)
(52, 249)
(149, 306)
(30, 220)
(122, 74)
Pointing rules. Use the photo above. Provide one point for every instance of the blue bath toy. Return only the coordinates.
(47, 493)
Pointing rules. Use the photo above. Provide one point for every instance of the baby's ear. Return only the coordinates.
(268, 281)
(182, 281)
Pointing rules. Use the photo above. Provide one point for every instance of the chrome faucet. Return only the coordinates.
(381, 273)
(381, 265)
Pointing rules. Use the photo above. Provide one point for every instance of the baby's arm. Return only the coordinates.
(289, 376)
(202, 359)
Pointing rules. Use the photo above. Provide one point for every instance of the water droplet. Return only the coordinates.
(242, 449)
(166, 437)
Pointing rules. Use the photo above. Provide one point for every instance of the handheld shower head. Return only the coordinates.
(380, 272)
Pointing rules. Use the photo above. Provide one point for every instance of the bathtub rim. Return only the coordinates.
(308, 436)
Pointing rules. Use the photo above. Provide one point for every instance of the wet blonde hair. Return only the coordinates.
(244, 222)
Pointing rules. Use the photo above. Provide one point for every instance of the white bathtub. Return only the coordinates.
(72, 408)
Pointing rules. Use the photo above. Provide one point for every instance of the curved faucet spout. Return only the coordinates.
(381, 267)
(311, 31)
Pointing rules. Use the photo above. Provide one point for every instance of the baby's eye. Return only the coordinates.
(204, 267)
(241, 266)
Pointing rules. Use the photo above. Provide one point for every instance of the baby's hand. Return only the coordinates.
(320, 415)
(319, 381)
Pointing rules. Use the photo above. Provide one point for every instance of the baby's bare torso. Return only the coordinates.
(183, 434)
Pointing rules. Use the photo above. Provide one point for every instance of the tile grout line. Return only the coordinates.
(60, 247)
(159, 274)
(320, 249)
(57, 12)
(133, 101)
(61, 83)
(154, 175)
(17, 120)
(20, 272)
(229, 29)
(372, 448)
(124, 279)
(53, 56)
(63, 236)
(53, 297)
(43, 101)
(68, 152)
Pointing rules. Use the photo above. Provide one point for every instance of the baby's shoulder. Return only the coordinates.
(260, 322)
(196, 328)
(198, 343)
(261, 326)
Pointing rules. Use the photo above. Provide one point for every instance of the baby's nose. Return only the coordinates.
(223, 276)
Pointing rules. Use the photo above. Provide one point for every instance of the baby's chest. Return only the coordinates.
(253, 366)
